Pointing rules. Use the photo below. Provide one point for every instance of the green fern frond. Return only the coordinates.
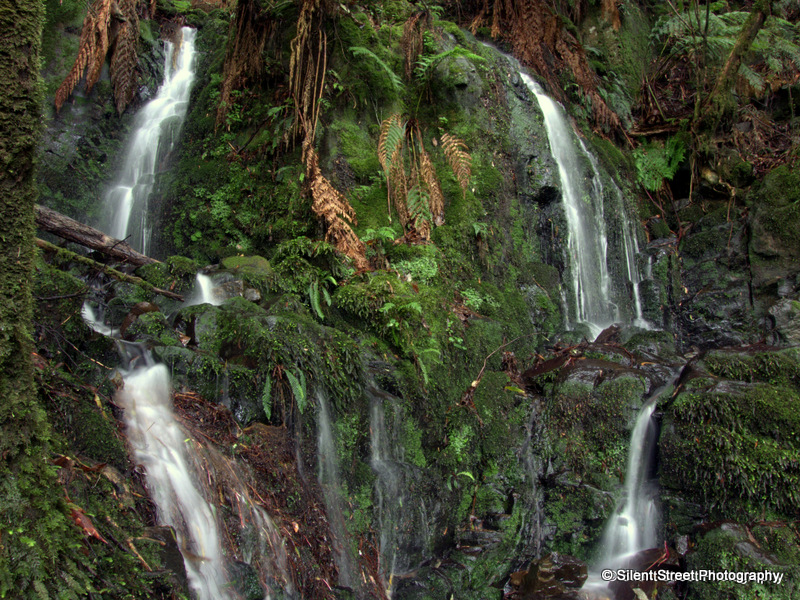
(313, 296)
(393, 132)
(417, 201)
(397, 83)
(298, 389)
(426, 64)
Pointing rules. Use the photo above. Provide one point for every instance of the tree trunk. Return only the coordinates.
(72, 230)
(725, 80)
(36, 558)
(20, 30)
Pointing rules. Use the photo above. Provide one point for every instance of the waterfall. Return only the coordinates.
(330, 479)
(593, 301)
(205, 292)
(403, 524)
(634, 528)
(176, 467)
(156, 128)
(158, 443)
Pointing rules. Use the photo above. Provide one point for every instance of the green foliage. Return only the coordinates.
(423, 269)
(427, 63)
(655, 163)
(740, 452)
(773, 56)
(298, 385)
(391, 76)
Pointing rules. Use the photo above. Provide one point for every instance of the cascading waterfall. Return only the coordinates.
(593, 300)
(330, 479)
(634, 528)
(156, 128)
(593, 303)
(158, 443)
(172, 459)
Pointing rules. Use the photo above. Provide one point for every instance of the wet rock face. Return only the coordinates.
(713, 308)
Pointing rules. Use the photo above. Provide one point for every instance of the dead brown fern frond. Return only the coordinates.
(250, 31)
(332, 207)
(435, 195)
(455, 150)
(124, 58)
(92, 50)
(412, 41)
(397, 183)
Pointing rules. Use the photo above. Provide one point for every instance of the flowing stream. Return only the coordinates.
(156, 129)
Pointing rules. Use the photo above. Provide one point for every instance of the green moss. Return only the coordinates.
(776, 368)
(590, 426)
(738, 452)
(356, 146)
(729, 548)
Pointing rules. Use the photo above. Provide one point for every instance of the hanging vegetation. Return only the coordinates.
(252, 30)
(413, 187)
(108, 25)
(540, 39)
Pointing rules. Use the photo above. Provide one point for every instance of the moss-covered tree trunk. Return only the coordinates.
(718, 98)
(35, 537)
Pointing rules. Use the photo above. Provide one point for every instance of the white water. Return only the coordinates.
(96, 322)
(205, 292)
(402, 519)
(158, 443)
(178, 468)
(593, 302)
(156, 128)
(634, 528)
(330, 479)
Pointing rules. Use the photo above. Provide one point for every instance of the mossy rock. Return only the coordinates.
(774, 245)
(731, 547)
(734, 448)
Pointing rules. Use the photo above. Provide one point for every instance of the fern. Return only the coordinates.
(656, 163)
(455, 150)
(397, 83)
(393, 132)
(417, 201)
(298, 385)
(94, 46)
(332, 207)
(426, 64)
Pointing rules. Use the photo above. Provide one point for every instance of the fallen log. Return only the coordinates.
(74, 231)
(118, 275)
